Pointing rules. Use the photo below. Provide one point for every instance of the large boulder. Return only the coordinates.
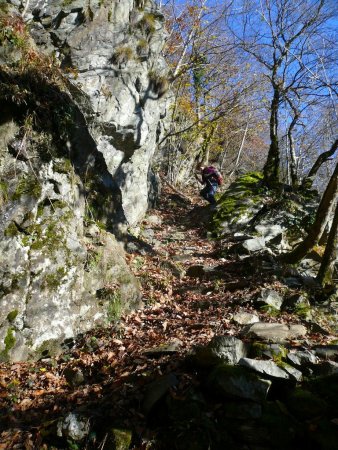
(221, 349)
(81, 104)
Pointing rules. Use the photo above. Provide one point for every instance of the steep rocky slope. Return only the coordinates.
(81, 89)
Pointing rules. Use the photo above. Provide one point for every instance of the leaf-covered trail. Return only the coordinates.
(103, 373)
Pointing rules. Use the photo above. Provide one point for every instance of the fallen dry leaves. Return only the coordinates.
(113, 362)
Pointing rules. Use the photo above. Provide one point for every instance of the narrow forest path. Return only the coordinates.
(190, 293)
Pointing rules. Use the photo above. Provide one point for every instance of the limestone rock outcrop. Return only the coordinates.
(82, 89)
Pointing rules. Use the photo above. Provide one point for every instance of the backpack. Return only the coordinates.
(212, 174)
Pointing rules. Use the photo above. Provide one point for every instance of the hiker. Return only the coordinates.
(212, 179)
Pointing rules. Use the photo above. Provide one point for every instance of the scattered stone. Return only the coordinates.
(74, 377)
(301, 358)
(260, 349)
(121, 438)
(73, 426)
(221, 349)
(131, 247)
(164, 349)
(235, 381)
(275, 332)
(290, 303)
(297, 331)
(157, 390)
(271, 298)
(326, 351)
(254, 245)
(268, 368)
(244, 318)
(309, 267)
(269, 232)
(148, 235)
(293, 372)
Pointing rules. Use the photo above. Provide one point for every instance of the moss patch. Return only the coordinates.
(113, 296)
(3, 192)
(9, 342)
(11, 230)
(245, 192)
(12, 315)
(28, 185)
(53, 280)
(122, 438)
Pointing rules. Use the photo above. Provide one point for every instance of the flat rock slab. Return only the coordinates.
(244, 318)
(271, 298)
(254, 245)
(165, 348)
(268, 368)
(235, 381)
(275, 332)
(302, 358)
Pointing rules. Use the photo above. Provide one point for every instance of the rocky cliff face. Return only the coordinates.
(81, 89)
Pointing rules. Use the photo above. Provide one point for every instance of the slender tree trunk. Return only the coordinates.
(325, 207)
(240, 149)
(271, 168)
(324, 276)
(308, 180)
(293, 158)
(293, 163)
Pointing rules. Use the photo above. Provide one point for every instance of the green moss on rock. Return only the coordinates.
(53, 280)
(122, 438)
(244, 193)
(11, 230)
(63, 165)
(3, 192)
(28, 185)
(111, 295)
(9, 342)
(12, 315)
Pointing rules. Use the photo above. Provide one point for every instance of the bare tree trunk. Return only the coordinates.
(240, 149)
(308, 180)
(328, 200)
(271, 168)
(293, 158)
(324, 276)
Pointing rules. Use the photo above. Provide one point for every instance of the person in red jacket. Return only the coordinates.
(211, 177)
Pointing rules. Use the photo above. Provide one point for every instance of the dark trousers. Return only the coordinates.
(209, 191)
